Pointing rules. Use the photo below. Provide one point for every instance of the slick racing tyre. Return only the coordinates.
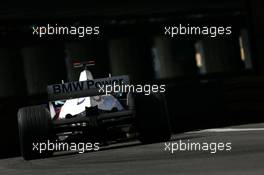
(152, 119)
(35, 127)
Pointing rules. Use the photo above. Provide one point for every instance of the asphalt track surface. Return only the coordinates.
(246, 157)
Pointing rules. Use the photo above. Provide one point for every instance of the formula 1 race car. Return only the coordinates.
(80, 110)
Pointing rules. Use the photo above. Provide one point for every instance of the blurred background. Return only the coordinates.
(210, 82)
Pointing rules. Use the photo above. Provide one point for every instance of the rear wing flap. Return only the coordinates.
(87, 88)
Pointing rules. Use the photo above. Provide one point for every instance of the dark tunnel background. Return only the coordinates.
(211, 82)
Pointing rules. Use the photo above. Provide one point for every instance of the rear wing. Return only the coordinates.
(87, 88)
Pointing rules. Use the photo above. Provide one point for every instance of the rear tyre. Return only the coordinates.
(152, 119)
(35, 127)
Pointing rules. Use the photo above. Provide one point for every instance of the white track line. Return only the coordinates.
(228, 130)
